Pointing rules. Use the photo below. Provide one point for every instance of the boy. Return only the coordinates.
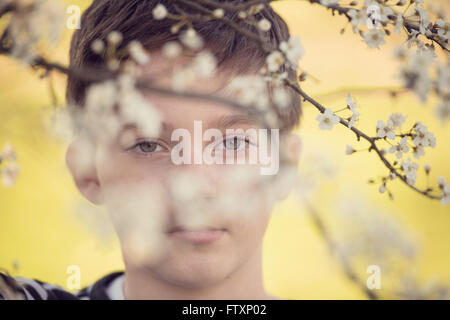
(189, 229)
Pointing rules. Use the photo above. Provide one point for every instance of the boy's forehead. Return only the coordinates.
(177, 109)
(162, 71)
(182, 112)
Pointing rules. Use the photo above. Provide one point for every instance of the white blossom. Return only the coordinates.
(396, 120)
(349, 150)
(385, 130)
(353, 119)
(443, 79)
(358, 17)
(442, 182)
(134, 108)
(218, 13)
(281, 97)
(400, 148)
(114, 38)
(422, 59)
(416, 79)
(8, 152)
(443, 29)
(100, 97)
(98, 113)
(97, 46)
(182, 77)
(374, 38)
(138, 52)
(385, 12)
(32, 22)
(171, 49)
(399, 52)
(443, 110)
(204, 64)
(398, 23)
(355, 114)
(445, 190)
(327, 119)
(60, 123)
(276, 79)
(274, 61)
(242, 14)
(159, 12)
(191, 39)
(423, 137)
(9, 174)
(412, 38)
(328, 2)
(293, 50)
(351, 103)
(446, 196)
(410, 170)
(424, 21)
(264, 24)
(418, 151)
(250, 90)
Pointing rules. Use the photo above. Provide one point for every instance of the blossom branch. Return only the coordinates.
(350, 273)
(334, 7)
(371, 140)
(274, 62)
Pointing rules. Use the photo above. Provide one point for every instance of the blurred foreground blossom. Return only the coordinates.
(32, 22)
(9, 169)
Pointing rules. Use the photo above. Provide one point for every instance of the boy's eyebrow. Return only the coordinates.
(231, 120)
(165, 127)
(222, 122)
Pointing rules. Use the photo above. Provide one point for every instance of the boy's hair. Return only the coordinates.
(235, 53)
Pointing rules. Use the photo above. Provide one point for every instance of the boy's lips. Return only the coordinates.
(201, 236)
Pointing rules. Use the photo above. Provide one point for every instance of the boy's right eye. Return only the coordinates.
(147, 147)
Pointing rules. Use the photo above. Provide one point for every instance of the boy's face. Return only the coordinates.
(190, 224)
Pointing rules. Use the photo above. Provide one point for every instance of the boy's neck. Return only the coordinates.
(245, 283)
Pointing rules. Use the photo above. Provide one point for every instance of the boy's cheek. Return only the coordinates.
(118, 166)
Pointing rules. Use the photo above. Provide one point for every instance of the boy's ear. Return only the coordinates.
(80, 159)
(291, 146)
(290, 150)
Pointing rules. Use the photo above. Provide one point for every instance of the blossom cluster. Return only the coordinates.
(31, 23)
(9, 168)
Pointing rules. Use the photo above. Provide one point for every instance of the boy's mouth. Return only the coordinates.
(201, 236)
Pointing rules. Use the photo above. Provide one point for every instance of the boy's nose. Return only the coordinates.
(207, 179)
(202, 179)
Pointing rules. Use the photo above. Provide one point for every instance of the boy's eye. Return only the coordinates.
(147, 147)
(233, 144)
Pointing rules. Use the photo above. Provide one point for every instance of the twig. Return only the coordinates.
(360, 134)
(348, 270)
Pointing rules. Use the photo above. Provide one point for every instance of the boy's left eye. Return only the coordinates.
(233, 143)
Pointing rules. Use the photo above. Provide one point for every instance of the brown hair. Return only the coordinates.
(134, 20)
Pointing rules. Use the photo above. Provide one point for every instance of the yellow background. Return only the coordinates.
(40, 226)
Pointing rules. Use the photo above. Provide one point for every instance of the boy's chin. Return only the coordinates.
(195, 278)
(193, 272)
